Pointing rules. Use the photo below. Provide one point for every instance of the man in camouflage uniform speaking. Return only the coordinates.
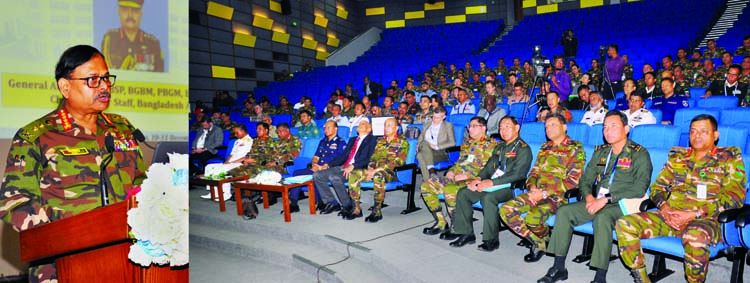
(695, 185)
(129, 47)
(475, 151)
(559, 165)
(53, 166)
(390, 152)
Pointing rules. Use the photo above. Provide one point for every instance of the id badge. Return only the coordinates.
(701, 191)
(498, 173)
(603, 191)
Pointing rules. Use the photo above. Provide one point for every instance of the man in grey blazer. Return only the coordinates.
(437, 135)
(209, 137)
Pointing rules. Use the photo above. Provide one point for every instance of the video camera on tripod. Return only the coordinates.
(539, 62)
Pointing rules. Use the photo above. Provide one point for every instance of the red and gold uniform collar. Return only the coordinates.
(710, 153)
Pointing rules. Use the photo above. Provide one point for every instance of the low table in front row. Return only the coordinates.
(216, 187)
(283, 189)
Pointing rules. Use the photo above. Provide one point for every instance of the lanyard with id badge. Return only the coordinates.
(503, 161)
(604, 191)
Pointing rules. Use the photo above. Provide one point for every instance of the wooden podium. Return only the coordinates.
(93, 247)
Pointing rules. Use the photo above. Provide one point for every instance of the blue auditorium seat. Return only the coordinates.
(577, 115)
(734, 115)
(578, 131)
(460, 119)
(309, 146)
(533, 132)
(657, 115)
(596, 136)
(720, 102)
(656, 135)
(697, 92)
(732, 136)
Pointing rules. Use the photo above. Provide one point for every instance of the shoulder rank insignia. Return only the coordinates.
(64, 120)
(635, 147)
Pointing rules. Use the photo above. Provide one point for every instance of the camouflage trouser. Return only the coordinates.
(357, 176)
(253, 170)
(533, 226)
(697, 237)
(45, 273)
(440, 185)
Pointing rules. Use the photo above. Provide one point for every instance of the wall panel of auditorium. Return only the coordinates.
(396, 13)
(237, 45)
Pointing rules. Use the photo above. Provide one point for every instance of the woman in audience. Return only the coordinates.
(359, 115)
(436, 100)
(437, 135)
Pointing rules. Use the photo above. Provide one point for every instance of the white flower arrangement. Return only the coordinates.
(160, 222)
(267, 178)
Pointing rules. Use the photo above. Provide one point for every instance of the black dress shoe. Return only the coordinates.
(292, 209)
(319, 206)
(259, 200)
(330, 208)
(435, 229)
(352, 216)
(463, 240)
(488, 246)
(533, 256)
(374, 217)
(345, 211)
(524, 243)
(449, 236)
(554, 275)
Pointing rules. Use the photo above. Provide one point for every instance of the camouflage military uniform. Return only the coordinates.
(628, 71)
(682, 87)
(557, 169)
(406, 119)
(703, 79)
(263, 152)
(142, 54)
(468, 72)
(632, 174)
(387, 156)
(474, 154)
(515, 160)
(247, 112)
(502, 70)
(311, 109)
(483, 72)
(686, 65)
(421, 117)
(228, 127)
(721, 72)
(716, 53)
(476, 86)
(53, 170)
(452, 75)
(745, 79)
(742, 51)
(285, 110)
(722, 171)
(596, 75)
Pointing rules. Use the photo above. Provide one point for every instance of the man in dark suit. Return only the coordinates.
(356, 156)
(204, 146)
(372, 89)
